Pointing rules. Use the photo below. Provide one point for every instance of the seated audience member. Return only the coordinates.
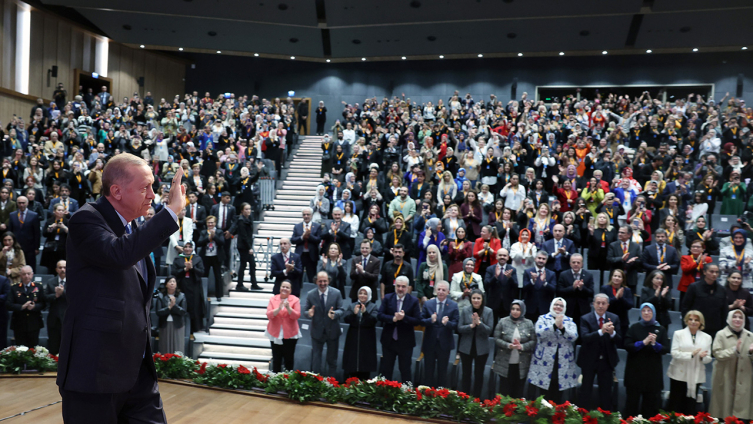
(323, 306)
(475, 327)
(399, 313)
(360, 351)
(283, 312)
(171, 308)
(440, 317)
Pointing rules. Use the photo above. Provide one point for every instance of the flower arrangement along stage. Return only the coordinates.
(17, 359)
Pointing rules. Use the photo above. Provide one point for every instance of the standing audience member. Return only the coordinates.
(600, 338)
(364, 271)
(501, 285)
(333, 264)
(539, 287)
(188, 269)
(656, 292)
(731, 383)
(399, 313)
(620, 298)
(440, 317)
(54, 292)
(245, 235)
(286, 265)
(430, 273)
(212, 245)
(5, 291)
(171, 308)
(576, 287)
(394, 269)
(283, 333)
(737, 256)
(360, 352)
(306, 237)
(661, 256)
(464, 282)
(709, 298)
(692, 267)
(25, 225)
(625, 254)
(26, 301)
(323, 307)
(475, 328)
(738, 297)
(691, 352)
(55, 232)
(560, 250)
(515, 339)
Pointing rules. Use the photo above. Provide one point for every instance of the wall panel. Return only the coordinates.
(64, 43)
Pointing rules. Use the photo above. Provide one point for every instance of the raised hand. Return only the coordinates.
(177, 197)
(331, 313)
(311, 311)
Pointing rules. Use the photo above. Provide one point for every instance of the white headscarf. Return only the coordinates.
(551, 306)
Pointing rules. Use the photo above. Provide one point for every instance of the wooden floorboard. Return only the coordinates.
(186, 404)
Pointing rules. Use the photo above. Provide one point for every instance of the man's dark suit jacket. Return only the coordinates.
(564, 259)
(295, 276)
(314, 239)
(582, 297)
(322, 326)
(538, 299)
(27, 233)
(500, 291)
(614, 257)
(57, 305)
(106, 329)
(201, 216)
(342, 236)
(231, 218)
(437, 330)
(651, 260)
(595, 345)
(406, 339)
(369, 277)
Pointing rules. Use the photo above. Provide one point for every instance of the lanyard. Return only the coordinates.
(398, 270)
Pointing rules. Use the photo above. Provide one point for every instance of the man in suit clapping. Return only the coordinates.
(600, 334)
(324, 307)
(440, 317)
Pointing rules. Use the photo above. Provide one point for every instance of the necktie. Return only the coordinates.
(538, 283)
(224, 217)
(399, 308)
(193, 212)
(557, 263)
(577, 276)
(601, 322)
(321, 296)
(365, 260)
(305, 242)
(441, 310)
(624, 248)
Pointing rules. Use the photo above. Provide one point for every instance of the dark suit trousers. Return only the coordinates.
(309, 267)
(246, 258)
(141, 404)
(316, 356)
(213, 262)
(26, 338)
(31, 258)
(389, 354)
(468, 362)
(54, 330)
(436, 361)
(648, 408)
(286, 352)
(603, 373)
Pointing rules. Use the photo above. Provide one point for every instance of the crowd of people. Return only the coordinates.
(540, 226)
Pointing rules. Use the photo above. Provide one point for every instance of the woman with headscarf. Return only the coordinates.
(523, 254)
(515, 339)
(691, 352)
(553, 368)
(458, 251)
(319, 204)
(430, 273)
(376, 246)
(360, 352)
(485, 249)
(738, 297)
(429, 237)
(646, 341)
(699, 231)
(733, 195)
(731, 383)
(398, 234)
(475, 327)
(737, 256)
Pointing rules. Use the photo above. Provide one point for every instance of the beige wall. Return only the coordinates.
(13, 103)
(56, 41)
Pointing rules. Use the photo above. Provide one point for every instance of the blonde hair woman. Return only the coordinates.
(691, 352)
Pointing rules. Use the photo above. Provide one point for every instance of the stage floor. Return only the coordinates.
(185, 404)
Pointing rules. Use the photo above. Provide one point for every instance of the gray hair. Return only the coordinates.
(660, 231)
(441, 283)
(403, 278)
(542, 252)
(601, 295)
(307, 209)
(576, 255)
(337, 210)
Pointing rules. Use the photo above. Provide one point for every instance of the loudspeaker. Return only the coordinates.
(514, 89)
(740, 79)
(141, 81)
(54, 72)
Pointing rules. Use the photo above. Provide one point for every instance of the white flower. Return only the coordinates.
(545, 404)
(22, 348)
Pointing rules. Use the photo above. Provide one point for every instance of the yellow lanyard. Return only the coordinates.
(398, 270)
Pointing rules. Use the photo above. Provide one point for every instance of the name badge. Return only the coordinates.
(709, 197)
(734, 196)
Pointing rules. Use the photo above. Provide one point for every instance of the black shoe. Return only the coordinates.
(241, 288)
(219, 299)
(256, 287)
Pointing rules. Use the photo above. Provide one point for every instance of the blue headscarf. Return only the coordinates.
(653, 317)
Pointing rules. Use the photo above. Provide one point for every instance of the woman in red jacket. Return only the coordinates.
(460, 249)
(566, 195)
(485, 249)
(692, 267)
(283, 312)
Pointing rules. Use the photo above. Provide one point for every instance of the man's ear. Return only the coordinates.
(116, 192)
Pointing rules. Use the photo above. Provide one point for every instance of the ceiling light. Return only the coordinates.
(604, 52)
(745, 48)
(218, 52)
(327, 60)
(441, 56)
(142, 46)
(292, 57)
(480, 55)
(256, 54)
(363, 58)
(695, 49)
(180, 49)
(520, 54)
(404, 57)
(648, 51)
(562, 53)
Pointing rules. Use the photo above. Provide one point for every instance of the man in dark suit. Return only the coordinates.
(559, 249)
(399, 313)
(539, 287)
(71, 205)
(661, 256)
(188, 269)
(286, 265)
(440, 317)
(325, 325)
(226, 217)
(106, 372)
(501, 285)
(306, 237)
(364, 272)
(599, 333)
(337, 231)
(25, 225)
(7, 206)
(394, 269)
(625, 254)
(576, 287)
(54, 294)
(197, 212)
(211, 248)
(26, 300)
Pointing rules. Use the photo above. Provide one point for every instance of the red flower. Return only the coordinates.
(703, 417)
(558, 418)
(222, 365)
(583, 411)
(462, 395)
(320, 378)
(203, 369)
(509, 409)
(418, 395)
(53, 357)
(333, 381)
(243, 370)
(658, 418)
(607, 413)
(531, 410)
(587, 419)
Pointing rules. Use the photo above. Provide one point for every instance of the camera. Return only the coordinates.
(746, 218)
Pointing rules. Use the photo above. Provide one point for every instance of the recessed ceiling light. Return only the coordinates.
(256, 54)
(695, 49)
(180, 49)
(327, 60)
(292, 57)
(404, 57)
(218, 52)
(604, 52)
(520, 54)
(441, 56)
(142, 46)
(745, 48)
(480, 55)
(363, 58)
(648, 51)
(562, 53)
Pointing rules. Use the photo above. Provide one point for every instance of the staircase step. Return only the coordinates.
(242, 310)
(282, 215)
(280, 207)
(234, 332)
(269, 233)
(243, 314)
(288, 202)
(213, 354)
(240, 323)
(238, 350)
(234, 341)
(299, 182)
(276, 226)
(295, 190)
(233, 301)
(251, 295)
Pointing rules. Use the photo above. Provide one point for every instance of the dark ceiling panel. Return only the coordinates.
(697, 29)
(194, 33)
(464, 38)
(293, 12)
(680, 5)
(348, 12)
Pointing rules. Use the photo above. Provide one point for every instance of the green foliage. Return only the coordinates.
(16, 359)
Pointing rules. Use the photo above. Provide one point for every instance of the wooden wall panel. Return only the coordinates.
(49, 56)
(36, 53)
(77, 51)
(9, 44)
(150, 74)
(64, 43)
(10, 105)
